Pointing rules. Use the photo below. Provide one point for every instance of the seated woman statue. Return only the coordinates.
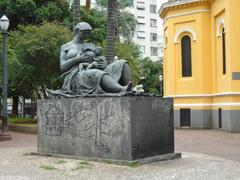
(85, 71)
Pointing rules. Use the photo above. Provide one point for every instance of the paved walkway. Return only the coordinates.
(20, 140)
(15, 165)
(211, 142)
(193, 166)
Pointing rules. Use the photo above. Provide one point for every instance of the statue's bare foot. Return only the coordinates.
(128, 87)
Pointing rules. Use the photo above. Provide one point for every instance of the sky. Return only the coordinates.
(159, 3)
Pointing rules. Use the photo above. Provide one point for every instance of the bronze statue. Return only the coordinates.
(85, 70)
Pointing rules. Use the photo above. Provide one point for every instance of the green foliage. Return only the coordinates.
(102, 3)
(131, 53)
(126, 23)
(151, 71)
(61, 162)
(83, 165)
(18, 11)
(21, 121)
(25, 12)
(37, 49)
(133, 164)
(98, 21)
(19, 75)
(48, 167)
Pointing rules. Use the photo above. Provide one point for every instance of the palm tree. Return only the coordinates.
(76, 12)
(111, 29)
(88, 4)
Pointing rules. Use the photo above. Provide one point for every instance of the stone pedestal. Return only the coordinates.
(120, 128)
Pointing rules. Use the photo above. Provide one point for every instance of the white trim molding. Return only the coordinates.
(184, 30)
(208, 104)
(203, 95)
(177, 3)
(186, 13)
(220, 24)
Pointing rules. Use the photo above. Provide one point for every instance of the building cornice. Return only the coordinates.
(203, 95)
(166, 6)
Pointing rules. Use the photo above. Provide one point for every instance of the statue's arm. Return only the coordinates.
(67, 64)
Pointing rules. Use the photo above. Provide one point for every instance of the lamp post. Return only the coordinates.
(161, 84)
(4, 24)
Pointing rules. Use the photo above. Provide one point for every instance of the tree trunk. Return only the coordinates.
(111, 28)
(88, 4)
(76, 12)
(23, 106)
(15, 106)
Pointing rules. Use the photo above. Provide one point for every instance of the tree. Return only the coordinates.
(130, 52)
(97, 19)
(126, 25)
(111, 29)
(38, 47)
(88, 4)
(125, 21)
(25, 12)
(150, 71)
(121, 23)
(102, 3)
(19, 77)
(19, 82)
(76, 12)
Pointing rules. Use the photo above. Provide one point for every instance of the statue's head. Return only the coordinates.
(83, 30)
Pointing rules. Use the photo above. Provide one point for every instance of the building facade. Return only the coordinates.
(147, 35)
(202, 62)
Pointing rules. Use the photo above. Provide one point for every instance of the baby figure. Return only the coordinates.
(95, 58)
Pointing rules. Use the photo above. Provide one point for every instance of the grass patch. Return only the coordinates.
(48, 167)
(133, 164)
(21, 121)
(28, 125)
(107, 161)
(61, 162)
(82, 165)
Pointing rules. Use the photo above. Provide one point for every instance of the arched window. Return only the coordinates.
(186, 56)
(224, 51)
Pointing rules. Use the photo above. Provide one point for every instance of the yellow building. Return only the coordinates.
(202, 62)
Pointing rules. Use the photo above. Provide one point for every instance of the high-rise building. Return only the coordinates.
(147, 34)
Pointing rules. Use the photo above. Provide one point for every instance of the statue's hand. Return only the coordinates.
(83, 58)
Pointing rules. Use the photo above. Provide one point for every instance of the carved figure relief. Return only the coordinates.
(86, 120)
(54, 123)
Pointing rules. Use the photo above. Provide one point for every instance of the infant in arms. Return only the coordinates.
(97, 61)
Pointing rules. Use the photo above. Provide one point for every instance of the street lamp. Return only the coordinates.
(161, 84)
(4, 24)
